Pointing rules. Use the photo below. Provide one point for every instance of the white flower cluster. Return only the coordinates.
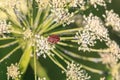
(74, 72)
(75, 3)
(116, 75)
(112, 55)
(60, 10)
(99, 2)
(58, 3)
(27, 34)
(43, 3)
(70, 3)
(85, 39)
(61, 13)
(92, 31)
(95, 25)
(42, 46)
(112, 19)
(63, 16)
(13, 71)
(108, 59)
(11, 3)
(114, 49)
(4, 27)
(42, 78)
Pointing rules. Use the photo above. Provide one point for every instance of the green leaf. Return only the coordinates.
(24, 61)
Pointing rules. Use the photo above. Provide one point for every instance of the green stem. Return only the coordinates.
(61, 57)
(88, 68)
(78, 56)
(40, 72)
(90, 49)
(46, 13)
(24, 61)
(66, 31)
(53, 26)
(8, 44)
(45, 25)
(35, 68)
(11, 18)
(7, 38)
(66, 38)
(37, 19)
(65, 44)
(16, 32)
(96, 50)
(56, 62)
(92, 69)
(20, 18)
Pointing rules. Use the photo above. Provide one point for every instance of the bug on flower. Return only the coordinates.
(53, 39)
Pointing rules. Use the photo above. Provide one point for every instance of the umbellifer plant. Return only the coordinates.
(73, 34)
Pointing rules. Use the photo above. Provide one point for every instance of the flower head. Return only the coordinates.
(76, 3)
(115, 71)
(99, 2)
(112, 19)
(114, 49)
(108, 59)
(43, 3)
(11, 3)
(85, 39)
(74, 72)
(13, 71)
(62, 16)
(93, 30)
(112, 56)
(95, 25)
(43, 46)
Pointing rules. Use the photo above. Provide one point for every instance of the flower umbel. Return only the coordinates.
(43, 47)
(13, 71)
(74, 72)
(92, 31)
(112, 19)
